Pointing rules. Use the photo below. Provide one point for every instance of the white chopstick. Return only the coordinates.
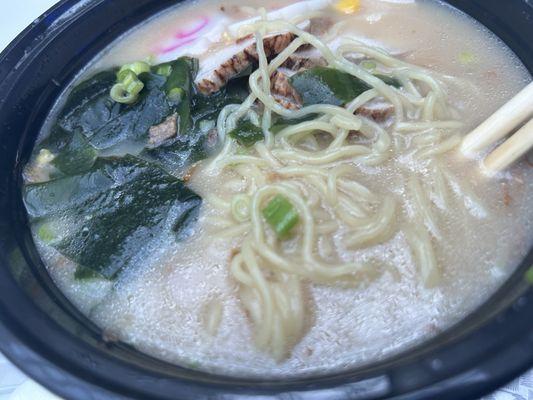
(501, 123)
(510, 151)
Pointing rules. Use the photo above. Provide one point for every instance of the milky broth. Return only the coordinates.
(159, 306)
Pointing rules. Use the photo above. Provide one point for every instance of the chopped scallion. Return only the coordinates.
(120, 94)
(164, 70)
(126, 76)
(176, 95)
(137, 67)
(129, 85)
(45, 233)
(467, 57)
(135, 87)
(281, 215)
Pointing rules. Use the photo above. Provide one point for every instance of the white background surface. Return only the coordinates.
(15, 15)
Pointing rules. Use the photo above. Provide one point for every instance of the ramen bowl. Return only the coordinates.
(49, 339)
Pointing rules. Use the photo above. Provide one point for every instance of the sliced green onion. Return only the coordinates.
(137, 67)
(135, 87)
(467, 57)
(369, 65)
(129, 85)
(46, 233)
(240, 207)
(281, 215)
(164, 69)
(529, 275)
(176, 95)
(126, 76)
(120, 94)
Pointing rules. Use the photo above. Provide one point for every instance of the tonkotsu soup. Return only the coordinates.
(279, 191)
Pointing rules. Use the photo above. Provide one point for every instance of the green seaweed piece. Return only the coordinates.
(179, 89)
(77, 156)
(103, 217)
(199, 142)
(246, 133)
(389, 80)
(323, 85)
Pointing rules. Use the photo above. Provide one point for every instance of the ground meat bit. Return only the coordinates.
(378, 111)
(186, 177)
(273, 177)
(273, 45)
(165, 130)
(212, 138)
(234, 252)
(507, 199)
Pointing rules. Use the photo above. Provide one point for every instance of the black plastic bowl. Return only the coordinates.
(44, 335)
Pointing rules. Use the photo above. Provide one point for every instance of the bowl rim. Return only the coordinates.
(41, 360)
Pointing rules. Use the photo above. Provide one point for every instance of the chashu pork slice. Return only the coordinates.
(283, 92)
(217, 69)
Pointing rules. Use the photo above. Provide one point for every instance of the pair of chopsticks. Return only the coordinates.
(501, 123)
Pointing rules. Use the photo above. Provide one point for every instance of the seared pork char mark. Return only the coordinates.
(243, 59)
(297, 62)
(283, 91)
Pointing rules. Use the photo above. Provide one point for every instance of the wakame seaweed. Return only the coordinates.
(102, 217)
(246, 133)
(106, 124)
(109, 127)
(77, 155)
(179, 88)
(389, 80)
(324, 85)
(200, 141)
(99, 210)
